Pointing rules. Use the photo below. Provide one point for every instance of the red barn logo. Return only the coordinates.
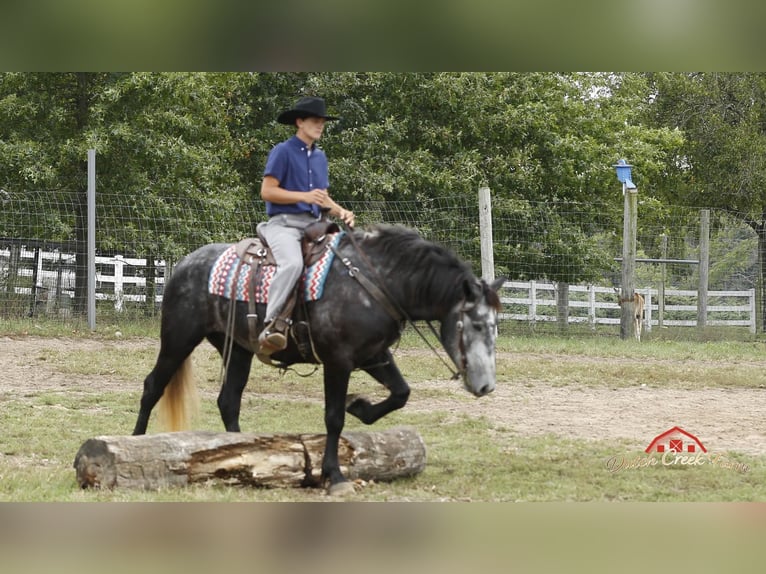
(676, 440)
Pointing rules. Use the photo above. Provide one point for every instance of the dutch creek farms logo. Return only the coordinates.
(675, 447)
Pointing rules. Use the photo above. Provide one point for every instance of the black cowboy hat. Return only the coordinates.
(308, 107)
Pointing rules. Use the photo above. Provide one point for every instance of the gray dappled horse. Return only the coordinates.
(350, 328)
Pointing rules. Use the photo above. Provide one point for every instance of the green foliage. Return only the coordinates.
(544, 241)
(160, 139)
(200, 141)
(723, 160)
(722, 115)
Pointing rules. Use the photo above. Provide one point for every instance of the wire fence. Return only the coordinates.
(138, 240)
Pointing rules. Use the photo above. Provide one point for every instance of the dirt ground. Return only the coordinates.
(724, 420)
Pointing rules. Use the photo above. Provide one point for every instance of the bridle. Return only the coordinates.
(460, 328)
(379, 293)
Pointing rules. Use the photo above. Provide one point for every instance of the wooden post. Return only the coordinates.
(150, 306)
(753, 313)
(704, 266)
(648, 311)
(630, 219)
(14, 262)
(562, 305)
(59, 276)
(119, 267)
(661, 290)
(91, 248)
(36, 264)
(760, 299)
(485, 230)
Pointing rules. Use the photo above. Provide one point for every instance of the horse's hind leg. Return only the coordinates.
(174, 350)
(388, 374)
(230, 396)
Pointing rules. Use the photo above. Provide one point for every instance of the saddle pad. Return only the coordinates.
(223, 271)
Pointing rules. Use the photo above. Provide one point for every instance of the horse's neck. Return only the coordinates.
(419, 294)
(420, 301)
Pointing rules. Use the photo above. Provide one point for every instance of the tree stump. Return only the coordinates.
(155, 461)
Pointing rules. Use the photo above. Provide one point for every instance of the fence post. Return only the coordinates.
(661, 290)
(751, 301)
(119, 264)
(562, 305)
(14, 262)
(36, 267)
(485, 230)
(629, 224)
(648, 310)
(628, 262)
(704, 266)
(92, 239)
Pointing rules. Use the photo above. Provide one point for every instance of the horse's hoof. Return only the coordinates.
(341, 489)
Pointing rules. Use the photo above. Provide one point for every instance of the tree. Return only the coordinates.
(723, 161)
(531, 137)
(162, 140)
(191, 148)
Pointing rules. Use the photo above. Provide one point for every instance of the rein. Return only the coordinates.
(395, 310)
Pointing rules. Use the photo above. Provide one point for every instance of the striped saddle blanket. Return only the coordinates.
(223, 271)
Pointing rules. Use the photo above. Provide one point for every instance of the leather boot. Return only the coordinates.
(273, 338)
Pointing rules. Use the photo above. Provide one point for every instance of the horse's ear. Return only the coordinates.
(490, 291)
(472, 289)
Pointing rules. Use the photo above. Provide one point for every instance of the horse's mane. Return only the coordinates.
(431, 270)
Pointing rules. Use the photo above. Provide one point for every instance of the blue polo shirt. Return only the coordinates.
(297, 167)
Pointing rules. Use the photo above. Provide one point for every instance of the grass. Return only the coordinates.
(470, 458)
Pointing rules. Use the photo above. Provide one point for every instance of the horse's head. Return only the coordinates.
(468, 334)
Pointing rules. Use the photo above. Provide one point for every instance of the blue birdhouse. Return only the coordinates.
(623, 173)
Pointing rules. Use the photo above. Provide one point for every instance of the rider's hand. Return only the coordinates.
(346, 217)
(316, 197)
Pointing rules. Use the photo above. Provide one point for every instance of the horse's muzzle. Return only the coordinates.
(485, 390)
(481, 390)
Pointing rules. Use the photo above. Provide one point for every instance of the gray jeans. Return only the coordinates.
(283, 233)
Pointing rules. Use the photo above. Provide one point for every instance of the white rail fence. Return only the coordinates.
(533, 301)
(123, 279)
(118, 279)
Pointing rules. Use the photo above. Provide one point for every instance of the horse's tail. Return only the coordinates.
(179, 402)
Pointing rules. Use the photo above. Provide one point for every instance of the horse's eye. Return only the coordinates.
(478, 326)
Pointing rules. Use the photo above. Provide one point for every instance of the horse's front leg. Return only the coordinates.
(387, 373)
(335, 389)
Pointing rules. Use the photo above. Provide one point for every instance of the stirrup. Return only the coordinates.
(273, 338)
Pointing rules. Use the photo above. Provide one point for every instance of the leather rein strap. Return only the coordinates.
(396, 312)
(394, 309)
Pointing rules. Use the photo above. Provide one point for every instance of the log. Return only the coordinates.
(152, 462)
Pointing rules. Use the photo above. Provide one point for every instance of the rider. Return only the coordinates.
(294, 187)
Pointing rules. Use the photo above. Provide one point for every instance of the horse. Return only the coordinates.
(380, 278)
(638, 312)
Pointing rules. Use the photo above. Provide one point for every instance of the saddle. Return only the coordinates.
(256, 252)
(313, 244)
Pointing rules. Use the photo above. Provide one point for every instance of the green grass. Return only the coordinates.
(468, 460)
(469, 457)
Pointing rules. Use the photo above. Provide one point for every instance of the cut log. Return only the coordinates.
(155, 461)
